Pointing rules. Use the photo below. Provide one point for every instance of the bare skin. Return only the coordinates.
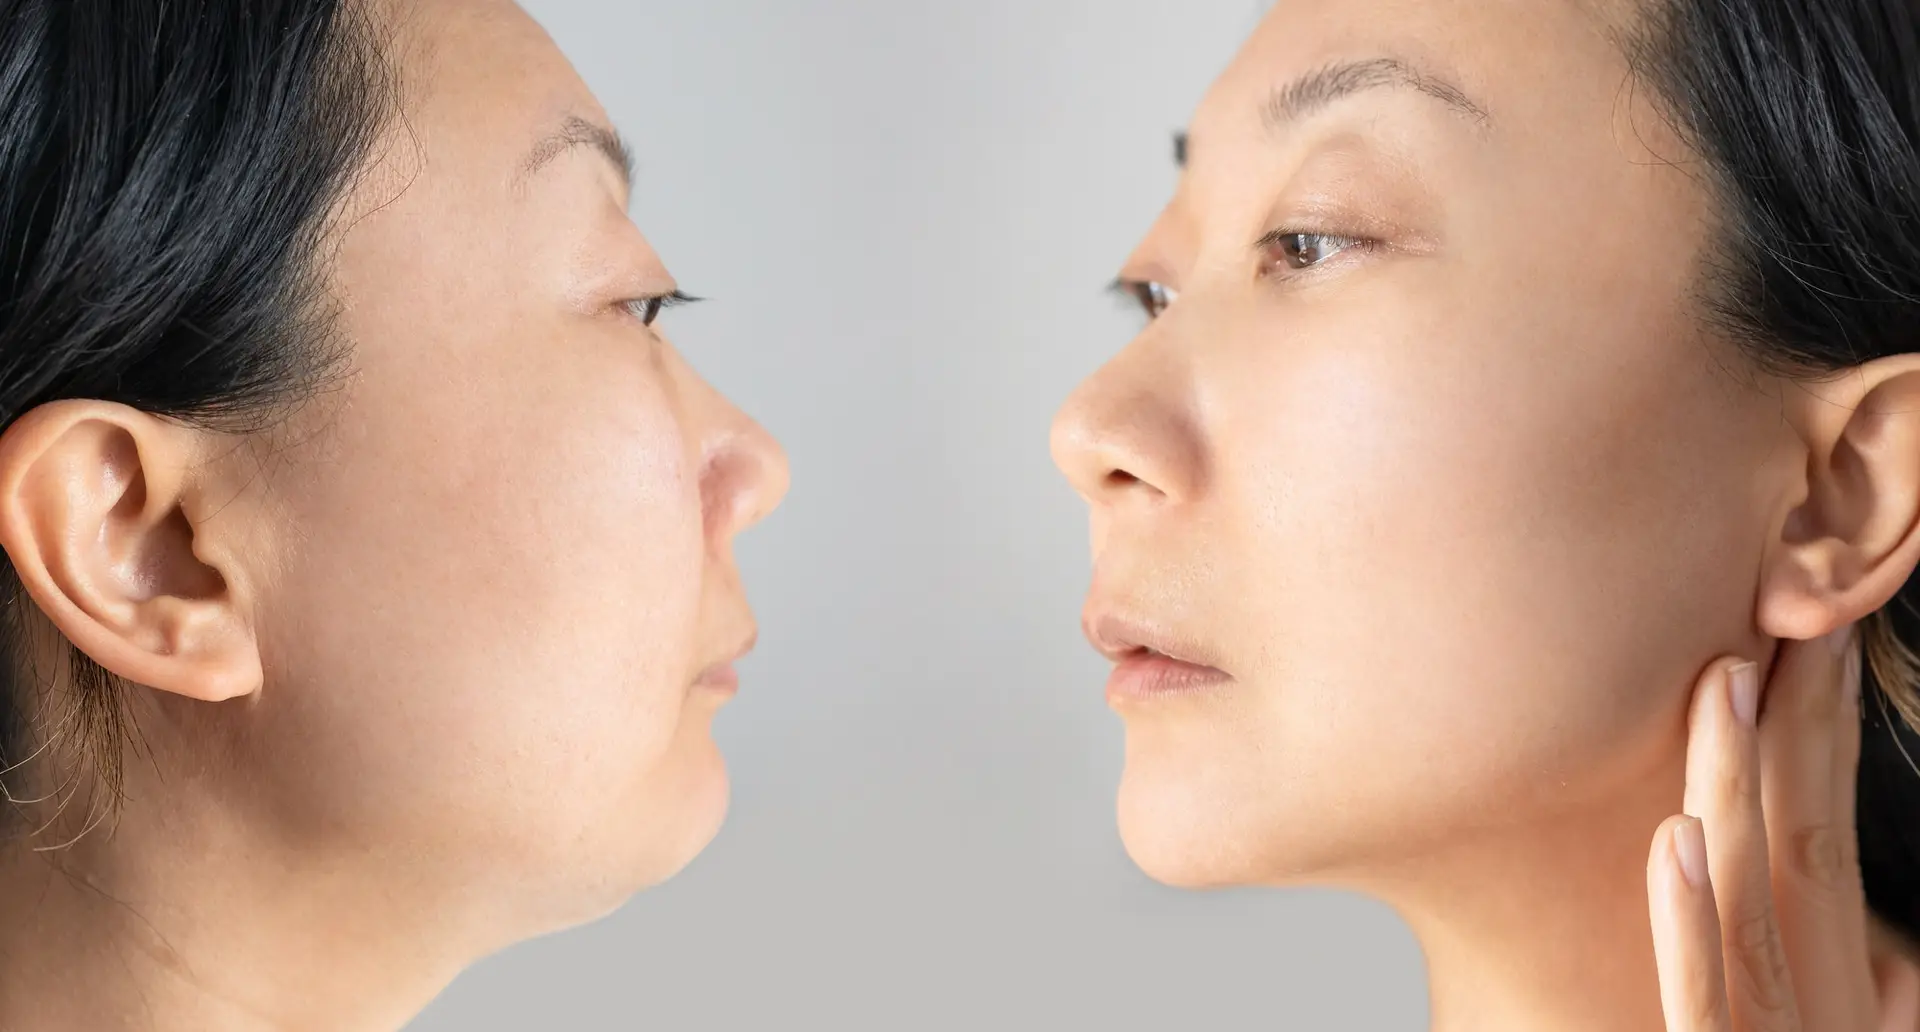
(432, 669)
(1759, 916)
(1431, 476)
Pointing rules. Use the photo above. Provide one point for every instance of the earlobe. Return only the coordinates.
(97, 510)
(1849, 535)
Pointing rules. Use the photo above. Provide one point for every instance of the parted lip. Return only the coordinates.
(1121, 637)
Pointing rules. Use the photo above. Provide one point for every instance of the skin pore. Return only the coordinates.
(1433, 456)
(430, 668)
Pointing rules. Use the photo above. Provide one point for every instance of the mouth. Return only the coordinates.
(721, 678)
(1150, 663)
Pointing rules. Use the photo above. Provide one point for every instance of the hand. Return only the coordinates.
(1759, 917)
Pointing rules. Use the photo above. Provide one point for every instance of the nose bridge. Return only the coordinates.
(1133, 428)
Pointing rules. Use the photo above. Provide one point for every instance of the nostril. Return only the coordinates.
(1120, 478)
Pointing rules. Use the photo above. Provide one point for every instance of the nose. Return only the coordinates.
(743, 470)
(744, 477)
(1131, 433)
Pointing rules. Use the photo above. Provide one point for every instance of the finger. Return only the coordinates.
(1811, 845)
(1846, 785)
(1686, 930)
(1723, 790)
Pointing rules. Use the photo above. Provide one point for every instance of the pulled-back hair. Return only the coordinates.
(1806, 114)
(169, 175)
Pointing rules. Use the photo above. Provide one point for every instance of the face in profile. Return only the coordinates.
(1423, 492)
(477, 604)
(506, 603)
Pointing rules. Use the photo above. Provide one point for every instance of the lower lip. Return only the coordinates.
(1150, 676)
(721, 680)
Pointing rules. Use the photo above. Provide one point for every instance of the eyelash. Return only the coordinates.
(1155, 298)
(648, 309)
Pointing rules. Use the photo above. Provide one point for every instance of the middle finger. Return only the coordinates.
(1723, 790)
(1808, 762)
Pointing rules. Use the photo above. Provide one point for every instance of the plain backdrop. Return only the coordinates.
(905, 213)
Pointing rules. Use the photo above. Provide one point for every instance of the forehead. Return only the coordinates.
(445, 205)
(1530, 63)
(483, 79)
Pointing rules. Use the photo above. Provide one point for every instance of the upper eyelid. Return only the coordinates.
(1127, 287)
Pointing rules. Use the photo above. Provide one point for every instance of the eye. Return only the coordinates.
(1290, 249)
(648, 309)
(1152, 298)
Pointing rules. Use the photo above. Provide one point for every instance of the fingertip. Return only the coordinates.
(1660, 853)
(1680, 848)
(1690, 851)
(1717, 679)
(1686, 930)
(1743, 693)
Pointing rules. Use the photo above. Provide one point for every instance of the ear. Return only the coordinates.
(114, 538)
(1896, 981)
(1848, 535)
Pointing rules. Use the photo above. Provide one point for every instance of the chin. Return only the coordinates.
(1180, 835)
(663, 827)
(691, 806)
(1190, 825)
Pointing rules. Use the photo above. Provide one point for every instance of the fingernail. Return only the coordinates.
(1743, 689)
(1690, 850)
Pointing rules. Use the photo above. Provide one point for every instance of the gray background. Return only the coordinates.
(905, 212)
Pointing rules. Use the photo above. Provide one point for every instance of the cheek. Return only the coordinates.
(488, 631)
(1475, 573)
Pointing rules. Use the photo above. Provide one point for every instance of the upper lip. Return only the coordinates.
(1120, 638)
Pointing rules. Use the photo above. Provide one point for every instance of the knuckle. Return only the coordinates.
(1763, 963)
(1818, 857)
(1708, 1010)
(1750, 934)
(1739, 780)
(1849, 846)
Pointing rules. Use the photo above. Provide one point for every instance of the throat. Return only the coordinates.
(1540, 927)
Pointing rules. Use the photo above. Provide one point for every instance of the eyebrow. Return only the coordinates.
(580, 132)
(1314, 91)
(1323, 86)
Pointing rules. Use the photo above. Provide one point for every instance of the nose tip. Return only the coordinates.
(746, 480)
(776, 476)
(1076, 448)
(1136, 444)
(1134, 431)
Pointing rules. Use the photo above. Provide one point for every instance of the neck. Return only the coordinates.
(176, 925)
(1543, 926)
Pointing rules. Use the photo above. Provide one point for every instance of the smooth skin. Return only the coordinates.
(1759, 918)
(1432, 455)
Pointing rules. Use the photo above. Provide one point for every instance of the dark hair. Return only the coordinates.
(170, 172)
(1807, 116)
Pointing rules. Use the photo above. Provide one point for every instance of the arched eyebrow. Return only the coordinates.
(1322, 86)
(1308, 94)
(579, 132)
